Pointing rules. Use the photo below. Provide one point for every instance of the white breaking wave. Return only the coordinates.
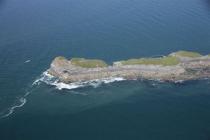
(51, 80)
(179, 81)
(45, 77)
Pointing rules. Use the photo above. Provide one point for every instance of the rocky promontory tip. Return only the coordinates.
(177, 66)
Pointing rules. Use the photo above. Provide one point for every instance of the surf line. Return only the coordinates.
(51, 80)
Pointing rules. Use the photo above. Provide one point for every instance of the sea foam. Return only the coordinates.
(22, 101)
(51, 80)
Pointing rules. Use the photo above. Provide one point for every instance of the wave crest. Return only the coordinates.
(51, 80)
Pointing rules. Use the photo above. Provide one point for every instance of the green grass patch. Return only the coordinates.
(61, 58)
(88, 63)
(165, 61)
(187, 54)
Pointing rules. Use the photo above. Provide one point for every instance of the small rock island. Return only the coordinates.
(177, 66)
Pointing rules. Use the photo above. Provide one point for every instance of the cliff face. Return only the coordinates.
(188, 68)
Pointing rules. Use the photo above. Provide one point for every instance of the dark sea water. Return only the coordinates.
(33, 32)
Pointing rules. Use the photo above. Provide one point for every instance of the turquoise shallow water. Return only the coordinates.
(110, 30)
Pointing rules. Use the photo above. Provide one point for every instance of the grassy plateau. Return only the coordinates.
(187, 54)
(88, 63)
(165, 61)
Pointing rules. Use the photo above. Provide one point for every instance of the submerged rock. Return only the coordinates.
(178, 66)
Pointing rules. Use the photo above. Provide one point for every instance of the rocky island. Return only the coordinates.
(177, 66)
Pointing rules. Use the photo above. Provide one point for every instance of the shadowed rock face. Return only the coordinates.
(188, 68)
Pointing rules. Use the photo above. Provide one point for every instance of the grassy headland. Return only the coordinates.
(187, 54)
(170, 60)
(88, 63)
(165, 61)
(60, 58)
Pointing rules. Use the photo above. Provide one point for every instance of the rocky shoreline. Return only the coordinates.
(189, 66)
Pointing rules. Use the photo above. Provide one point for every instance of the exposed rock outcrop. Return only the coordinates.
(188, 68)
